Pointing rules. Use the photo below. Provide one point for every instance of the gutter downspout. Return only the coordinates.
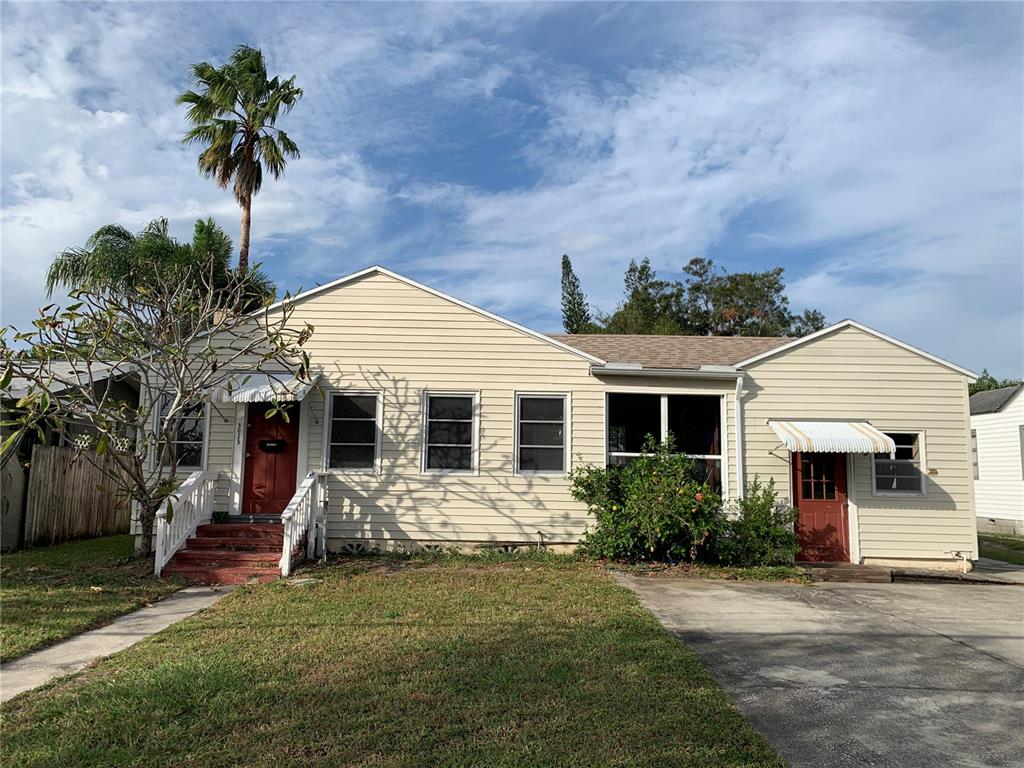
(740, 480)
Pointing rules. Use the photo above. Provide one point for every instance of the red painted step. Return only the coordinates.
(242, 530)
(228, 558)
(229, 543)
(200, 574)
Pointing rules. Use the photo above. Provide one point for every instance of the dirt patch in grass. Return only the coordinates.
(437, 661)
(50, 593)
(786, 573)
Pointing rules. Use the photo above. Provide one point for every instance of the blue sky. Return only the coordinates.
(875, 151)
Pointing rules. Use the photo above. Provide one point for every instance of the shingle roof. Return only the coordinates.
(671, 351)
(993, 400)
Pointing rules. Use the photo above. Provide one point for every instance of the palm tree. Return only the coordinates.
(116, 260)
(234, 112)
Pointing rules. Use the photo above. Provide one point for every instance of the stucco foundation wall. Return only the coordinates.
(850, 374)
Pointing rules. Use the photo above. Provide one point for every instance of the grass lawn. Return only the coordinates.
(1002, 546)
(49, 593)
(450, 661)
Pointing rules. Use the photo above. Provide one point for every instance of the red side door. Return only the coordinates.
(271, 460)
(823, 530)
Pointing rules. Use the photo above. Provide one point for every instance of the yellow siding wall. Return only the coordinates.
(851, 374)
(378, 333)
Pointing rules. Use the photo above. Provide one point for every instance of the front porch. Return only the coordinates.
(275, 506)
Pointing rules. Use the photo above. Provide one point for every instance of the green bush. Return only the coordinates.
(652, 509)
(759, 530)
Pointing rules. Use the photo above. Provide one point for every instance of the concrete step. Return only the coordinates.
(236, 543)
(215, 557)
(200, 574)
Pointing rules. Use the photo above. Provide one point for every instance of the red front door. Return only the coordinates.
(819, 482)
(271, 460)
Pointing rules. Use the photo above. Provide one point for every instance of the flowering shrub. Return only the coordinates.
(760, 529)
(652, 509)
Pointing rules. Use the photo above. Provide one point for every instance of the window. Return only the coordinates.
(450, 433)
(1020, 437)
(187, 445)
(695, 422)
(974, 452)
(540, 434)
(900, 473)
(817, 476)
(352, 439)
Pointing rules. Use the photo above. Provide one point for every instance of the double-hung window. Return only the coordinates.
(541, 440)
(354, 436)
(450, 430)
(694, 421)
(901, 473)
(188, 439)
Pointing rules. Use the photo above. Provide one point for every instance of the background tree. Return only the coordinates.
(575, 312)
(651, 306)
(168, 331)
(116, 260)
(708, 302)
(987, 381)
(234, 112)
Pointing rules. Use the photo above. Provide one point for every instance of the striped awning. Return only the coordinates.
(264, 387)
(832, 437)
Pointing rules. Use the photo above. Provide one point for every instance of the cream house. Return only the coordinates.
(433, 422)
(997, 447)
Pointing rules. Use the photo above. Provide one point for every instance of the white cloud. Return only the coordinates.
(898, 164)
(886, 144)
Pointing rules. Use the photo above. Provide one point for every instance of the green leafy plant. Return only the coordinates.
(654, 508)
(759, 529)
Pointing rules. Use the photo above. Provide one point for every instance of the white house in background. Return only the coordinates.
(997, 452)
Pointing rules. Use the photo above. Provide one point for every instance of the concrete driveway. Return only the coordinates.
(861, 674)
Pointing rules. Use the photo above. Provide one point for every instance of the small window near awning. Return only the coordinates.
(264, 387)
(832, 437)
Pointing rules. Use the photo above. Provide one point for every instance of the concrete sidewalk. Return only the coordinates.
(76, 653)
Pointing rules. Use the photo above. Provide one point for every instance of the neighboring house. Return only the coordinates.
(997, 447)
(434, 422)
(16, 466)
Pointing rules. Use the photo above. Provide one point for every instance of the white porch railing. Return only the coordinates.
(302, 517)
(181, 513)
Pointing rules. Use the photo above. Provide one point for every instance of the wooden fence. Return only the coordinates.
(72, 496)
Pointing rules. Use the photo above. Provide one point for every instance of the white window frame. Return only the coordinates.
(205, 448)
(378, 424)
(474, 452)
(663, 427)
(566, 433)
(923, 468)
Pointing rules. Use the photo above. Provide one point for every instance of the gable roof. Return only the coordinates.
(993, 400)
(376, 269)
(667, 352)
(871, 331)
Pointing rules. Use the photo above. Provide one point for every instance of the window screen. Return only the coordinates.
(900, 473)
(449, 432)
(188, 439)
(353, 435)
(541, 433)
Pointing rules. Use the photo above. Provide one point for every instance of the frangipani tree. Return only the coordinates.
(172, 333)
